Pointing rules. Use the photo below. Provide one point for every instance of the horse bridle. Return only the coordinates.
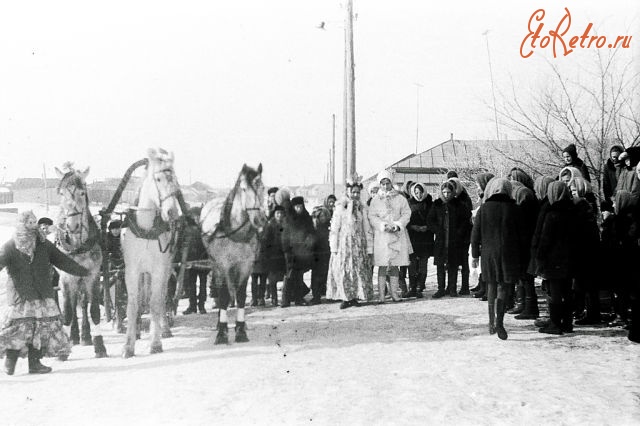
(168, 174)
(244, 222)
(75, 212)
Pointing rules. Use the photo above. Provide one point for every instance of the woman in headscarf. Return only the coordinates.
(389, 215)
(498, 240)
(555, 256)
(372, 190)
(480, 290)
(540, 188)
(463, 196)
(587, 241)
(31, 325)
(526, 306)
(571, 159)
(421, 239)
(351, 242)
(322, 253)
(628, 179)
(450, 220)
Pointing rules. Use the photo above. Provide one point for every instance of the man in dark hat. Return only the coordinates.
(298, 243)
(571, 159)
(43, 224)
(271, 201)
(611, 172)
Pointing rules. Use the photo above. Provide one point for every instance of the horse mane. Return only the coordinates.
(225, 217)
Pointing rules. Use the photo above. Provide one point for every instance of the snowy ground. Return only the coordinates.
(417, 362)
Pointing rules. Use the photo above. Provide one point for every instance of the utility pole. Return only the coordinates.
(418, 86)
(350, 100)
(333, 155)
(493, 93)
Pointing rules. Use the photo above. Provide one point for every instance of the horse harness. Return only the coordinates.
(159, 227)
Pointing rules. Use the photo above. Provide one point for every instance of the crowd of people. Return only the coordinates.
(554, 227)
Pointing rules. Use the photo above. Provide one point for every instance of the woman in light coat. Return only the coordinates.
(389, 215)
(351, 243)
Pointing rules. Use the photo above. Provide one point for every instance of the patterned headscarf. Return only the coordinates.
(26, 234)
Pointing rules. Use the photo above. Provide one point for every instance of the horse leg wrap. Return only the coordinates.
(99, 348)
(223, 334)
(241, 332)
(74, 333)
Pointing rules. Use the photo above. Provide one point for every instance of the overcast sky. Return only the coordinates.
(223, 83)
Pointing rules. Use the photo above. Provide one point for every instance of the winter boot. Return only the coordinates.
(382, 287)
(421, 280)
(555, 319)
(10, 360)
(413, 287)
(452, 282)
(441, 277)
(519, 306)
(241, 332)
(393, 289)
(402, 281)
(530, 310)
(502, 333)
(35, 367)
(223, 334)
(492, 318)
(464, 287)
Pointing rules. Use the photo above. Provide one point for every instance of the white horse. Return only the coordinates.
(79, 237)
(148, 246)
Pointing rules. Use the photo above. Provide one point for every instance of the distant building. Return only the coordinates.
(6, 195)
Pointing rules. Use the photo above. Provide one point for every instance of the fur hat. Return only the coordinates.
(45, 221)
(115, 224)
(272, 190)
(278, 208)
(384, 175)
(452, 174)
(295, 201)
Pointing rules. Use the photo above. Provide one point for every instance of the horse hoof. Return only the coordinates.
(127, 353)
(63, 358)
(241, 333)
(87, 342)
(102, 355)
(223, 335)
(137, 336)
(167, 334)
(75, 341)
(156, 349)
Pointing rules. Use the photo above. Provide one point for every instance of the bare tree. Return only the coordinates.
(593, 110)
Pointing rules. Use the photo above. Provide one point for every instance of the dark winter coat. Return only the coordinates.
(555, 243)
(422, 242)
(31, 280)
(586, 240)
(543, 206)
(298, 241)
(451, 243)
(610, 178)
(527, 204)
(272, 254)
(498, 239)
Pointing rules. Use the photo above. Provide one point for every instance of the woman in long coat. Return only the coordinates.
(31, 325)
(497, 238)
(272, 252)
(462, 195)
(450, 221)
(555, 256)
(389, 215)
(421, 239)
(482, 180)
(351, 242)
